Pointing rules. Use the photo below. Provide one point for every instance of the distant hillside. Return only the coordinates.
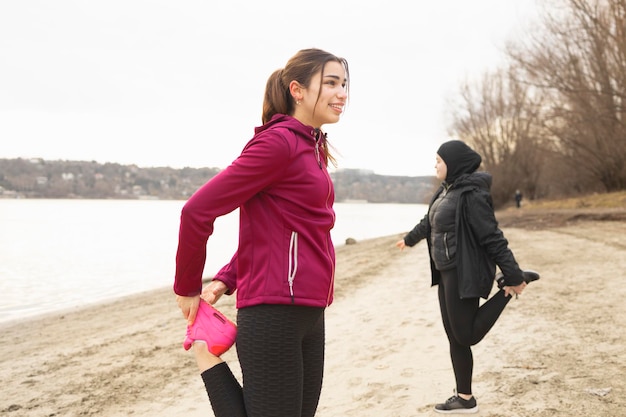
(39, 178)
(354, 184)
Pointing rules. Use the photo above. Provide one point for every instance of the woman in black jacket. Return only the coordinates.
(465, 246)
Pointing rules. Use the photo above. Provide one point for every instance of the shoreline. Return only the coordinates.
(165, 291)
(554, 351)
(120, 299)
(80, 270)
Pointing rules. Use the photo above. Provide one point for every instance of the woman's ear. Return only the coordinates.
(296, 91)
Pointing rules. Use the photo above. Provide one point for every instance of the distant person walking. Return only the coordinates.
(465, 245)
(283, 270)
(518, 198)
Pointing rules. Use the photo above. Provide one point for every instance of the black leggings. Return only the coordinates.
(466, 324)
(281, 353)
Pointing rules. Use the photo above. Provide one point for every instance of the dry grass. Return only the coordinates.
(603, 201)
(541, 214)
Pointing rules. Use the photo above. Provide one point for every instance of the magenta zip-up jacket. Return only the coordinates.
(285, 195)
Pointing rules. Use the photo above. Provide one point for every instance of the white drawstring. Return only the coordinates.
(293, 261)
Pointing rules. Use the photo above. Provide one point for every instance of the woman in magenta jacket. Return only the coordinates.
(283, 271)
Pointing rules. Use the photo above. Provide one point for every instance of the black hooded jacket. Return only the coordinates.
(461, 231)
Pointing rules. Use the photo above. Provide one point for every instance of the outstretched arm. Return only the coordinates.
(419, 232)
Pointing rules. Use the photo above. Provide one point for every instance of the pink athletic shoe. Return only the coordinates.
(213, 328)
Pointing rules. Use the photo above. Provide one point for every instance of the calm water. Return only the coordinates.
(57, 254)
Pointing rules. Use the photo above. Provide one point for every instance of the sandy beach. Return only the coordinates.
(558, 350)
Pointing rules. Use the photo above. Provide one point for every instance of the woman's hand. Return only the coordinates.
(517, 290)
(400, 244)
(189, 307)
(213, 291)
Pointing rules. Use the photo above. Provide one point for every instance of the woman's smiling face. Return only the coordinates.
(323, 101)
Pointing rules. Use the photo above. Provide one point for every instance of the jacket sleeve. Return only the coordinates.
(419, 232)
(485, 228)
(228, 274)
(261, 163)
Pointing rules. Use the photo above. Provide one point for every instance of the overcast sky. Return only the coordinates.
(180, 83)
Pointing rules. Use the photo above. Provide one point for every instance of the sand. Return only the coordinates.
(558, 350)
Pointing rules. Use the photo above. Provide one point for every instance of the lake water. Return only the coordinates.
(58, 254)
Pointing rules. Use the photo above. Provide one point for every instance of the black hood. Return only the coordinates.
(482, 180)
(459, 158)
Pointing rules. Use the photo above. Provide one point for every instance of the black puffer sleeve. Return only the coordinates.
(419, 232)
(482, 220)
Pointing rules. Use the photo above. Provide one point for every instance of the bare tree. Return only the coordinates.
(579, 59)
(500, 117)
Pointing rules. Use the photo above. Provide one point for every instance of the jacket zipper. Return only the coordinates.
(317, 133)
(445, 245)
(332, 273)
